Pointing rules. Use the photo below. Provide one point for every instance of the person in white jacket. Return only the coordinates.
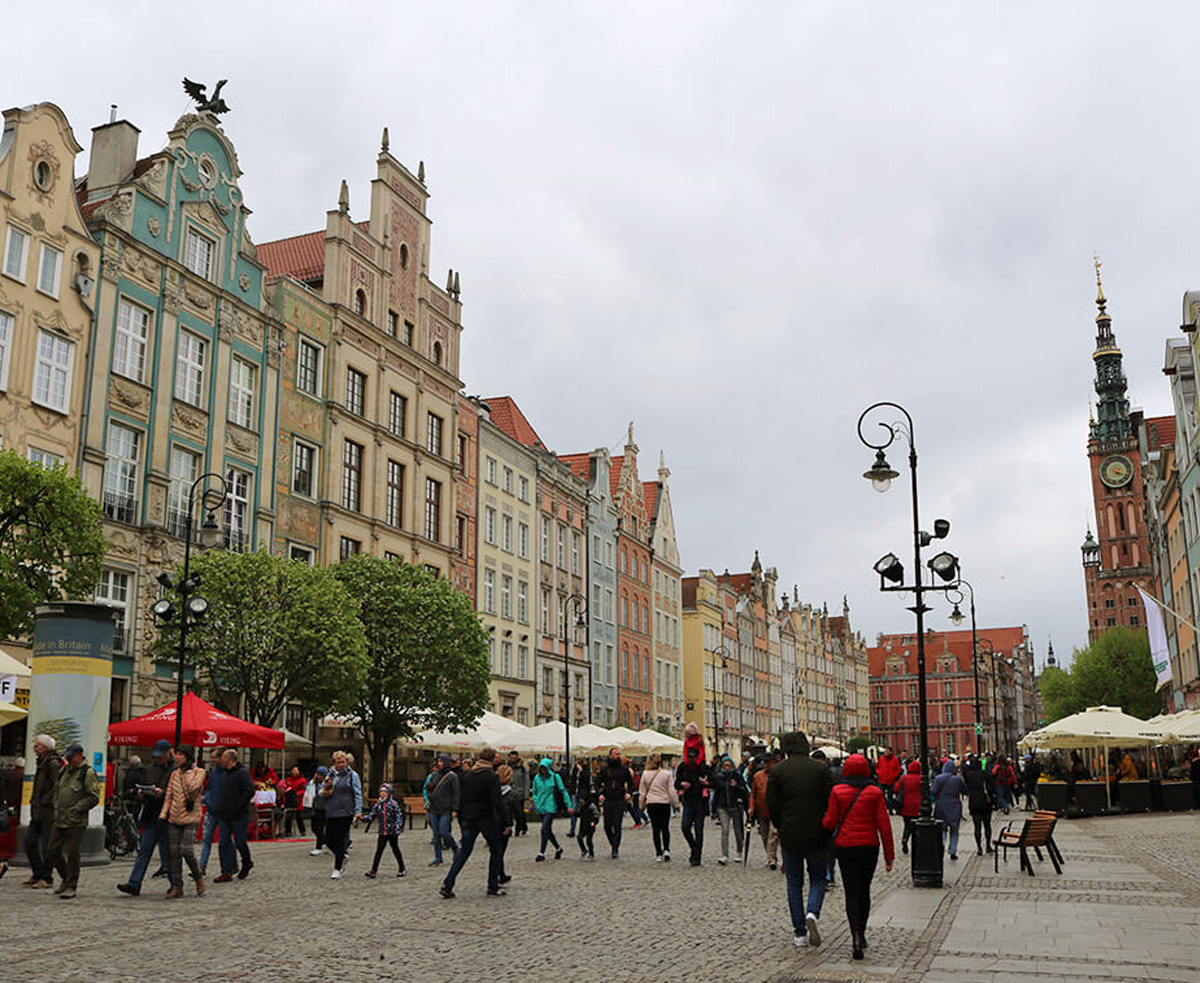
(657, 789)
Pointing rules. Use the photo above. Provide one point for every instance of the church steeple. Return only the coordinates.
(1112, 409)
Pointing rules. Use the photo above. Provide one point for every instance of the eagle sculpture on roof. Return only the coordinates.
(215, 105)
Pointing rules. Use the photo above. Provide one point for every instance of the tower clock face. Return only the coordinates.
(1116, 471)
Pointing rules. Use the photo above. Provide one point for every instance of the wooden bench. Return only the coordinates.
(414, 805)
(1036, 833)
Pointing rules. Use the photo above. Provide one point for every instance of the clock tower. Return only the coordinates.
(1117, 560)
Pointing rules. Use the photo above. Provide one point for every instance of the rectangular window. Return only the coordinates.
(523, 488)
(506, 666)
(463, 445)
(198, 253)
(120, 473)
(242, 378)
(508, 480)
(189, 369)
(348, 547)
(129, 350)
(397, 411)
(304, 469)
(52, 371)
(302, 553)
(576, 549)
(394, 512)
(185, 468)
(489, 591)
(545, 611)
(523, 541)
(408, 333)
(522, 602)
(545, 539)
(113, 589)
(308, 367)
(522, 661)
(393, 327)
(506, 533)
(433, 509)
(356, 391)
(352, 462)
(489, 526)
(237, 511)
(6, 335)
(433, 434)
(562, 548)
(16, 254)
(489, 470)
(49, 270)
(506, 584)
(460, 533)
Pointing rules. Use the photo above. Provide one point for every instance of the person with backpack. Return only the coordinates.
(549, 796)
(858, 817)
(390, 814)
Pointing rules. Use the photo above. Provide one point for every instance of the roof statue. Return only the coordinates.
(205, 104)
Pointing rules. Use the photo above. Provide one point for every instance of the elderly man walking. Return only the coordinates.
(797, 796)
(41, 813)
(78, 790)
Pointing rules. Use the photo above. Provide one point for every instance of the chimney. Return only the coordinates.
(114, 153)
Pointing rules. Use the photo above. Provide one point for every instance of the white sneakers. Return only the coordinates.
(336, 875)
(814, 933)
(658, 859)
(722, 861)
(315, 853)
(800, 941)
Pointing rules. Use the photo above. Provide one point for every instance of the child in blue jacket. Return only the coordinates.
(391, 823)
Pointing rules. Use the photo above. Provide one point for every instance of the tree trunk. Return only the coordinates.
(379, 745)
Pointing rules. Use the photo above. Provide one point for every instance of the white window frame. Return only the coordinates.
(132, 335)
(433, 510)
(237, 510)
(7, 321)
(434, 433)
(185, 469)
(394, 502)
(200, 262)
(53, 364)
(523, 602)
(397, 413)
(49, 277)
(299, 448)
(356, 391)
(123, 457)
(523, 488)
(318, 363)
(353, 463)
(506, 533)
(108, 591)
(43, 458)
(489, 590)
(243, 380)
(489, 470)
(190, 355)
(523, 540)
(489, 525)
(16, 270)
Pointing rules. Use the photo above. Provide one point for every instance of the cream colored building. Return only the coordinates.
(668, 702)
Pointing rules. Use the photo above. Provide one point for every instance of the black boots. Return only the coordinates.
(859, 942)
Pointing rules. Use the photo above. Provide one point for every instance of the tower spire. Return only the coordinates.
(1112, 422)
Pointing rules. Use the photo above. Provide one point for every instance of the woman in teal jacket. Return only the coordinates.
(545, 783)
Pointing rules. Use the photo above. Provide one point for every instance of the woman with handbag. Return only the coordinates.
(549, 796)
(858, 816)
(181, 810)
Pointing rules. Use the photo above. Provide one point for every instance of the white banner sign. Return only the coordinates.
(8, 688)
(1160, 655)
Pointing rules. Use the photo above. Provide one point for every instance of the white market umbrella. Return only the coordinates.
(10, 713)
(491, 730)
(1174, 728)
(551, 737)
(660, 743)
(629, 741)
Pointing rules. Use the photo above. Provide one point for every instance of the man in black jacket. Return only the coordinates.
(797, 797)
(691, 781)
(234, 796)
(41, 812)
(480, 812)
(616, 789)
(154, 829)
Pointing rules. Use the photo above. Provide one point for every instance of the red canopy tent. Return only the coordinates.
(203, 726)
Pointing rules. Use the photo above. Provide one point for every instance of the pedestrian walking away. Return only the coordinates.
(479, 814)
(658, 793)
(888, 771)
(587, 808)
(616, 789)
(729, 800)
(858, 817)
(580, 772)
(41, 813)
(947, 792)
(978, 784)
(509, 806)
(390, 816)
(342, 790)
(317, 807)
(76, 792)
(441, 799)
(797, 799)
(181, 812)
(153, 829)
(761, 815)
(212, 824)
(691, 783)
(549, 796)
(908, 798)
(520, 785)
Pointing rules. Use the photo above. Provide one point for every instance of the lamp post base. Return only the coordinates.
(926, 853)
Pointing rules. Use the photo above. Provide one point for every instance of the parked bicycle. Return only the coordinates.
(121, 836)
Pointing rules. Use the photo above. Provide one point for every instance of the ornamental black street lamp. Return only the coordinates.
(192, 607)
(719, 691)
(927, 831)
(580, 604)
(956, 618)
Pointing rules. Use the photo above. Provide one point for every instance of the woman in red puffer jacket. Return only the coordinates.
(908, 795)
(858, 814)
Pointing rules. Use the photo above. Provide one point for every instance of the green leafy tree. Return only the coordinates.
(858, 744)
(51, 545)
(427, 651)
(1115, 670)
(277, 630)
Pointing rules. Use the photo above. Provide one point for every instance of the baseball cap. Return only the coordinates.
(74, 749)
(161, 747)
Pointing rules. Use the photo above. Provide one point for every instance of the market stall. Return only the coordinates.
(203, 725)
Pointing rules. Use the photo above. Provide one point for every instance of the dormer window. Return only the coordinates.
(198, 253)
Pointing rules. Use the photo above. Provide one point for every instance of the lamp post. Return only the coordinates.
(580, 604)
(192, 606)
(927, 831)
(956, 618)
(719, 704)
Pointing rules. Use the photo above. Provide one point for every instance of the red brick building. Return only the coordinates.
(1006, 698)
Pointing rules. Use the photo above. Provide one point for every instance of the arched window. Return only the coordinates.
(437, 353)
(360, 302)
(1112, 522)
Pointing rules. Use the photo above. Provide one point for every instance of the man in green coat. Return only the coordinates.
(77, 792)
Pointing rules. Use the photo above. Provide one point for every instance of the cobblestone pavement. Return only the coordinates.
(1126, 908)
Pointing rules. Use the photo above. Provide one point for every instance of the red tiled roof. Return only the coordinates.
(302, 256)
(958, 643)
(687, 591)
(506, 415)
(650, 491)
(1161, 431)
(580, 464)
(88, 208)
(614, 474)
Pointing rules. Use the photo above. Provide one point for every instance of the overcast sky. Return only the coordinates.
(738, 225)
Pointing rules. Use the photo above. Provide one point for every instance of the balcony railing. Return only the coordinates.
(119, 508)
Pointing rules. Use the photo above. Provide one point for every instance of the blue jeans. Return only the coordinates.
(472, 829)
(153, 834)
(817, 863)
(548, 833)
(1002, 798)
(442, 823)
(233, 843)
(210, 834)
(693, 829)
(951, 831)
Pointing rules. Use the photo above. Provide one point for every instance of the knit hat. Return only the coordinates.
(385, 787)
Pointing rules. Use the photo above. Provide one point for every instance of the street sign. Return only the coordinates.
(978, 730)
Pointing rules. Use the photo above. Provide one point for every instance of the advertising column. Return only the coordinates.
(70, 682)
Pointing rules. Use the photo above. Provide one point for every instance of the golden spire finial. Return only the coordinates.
(1100, 301)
